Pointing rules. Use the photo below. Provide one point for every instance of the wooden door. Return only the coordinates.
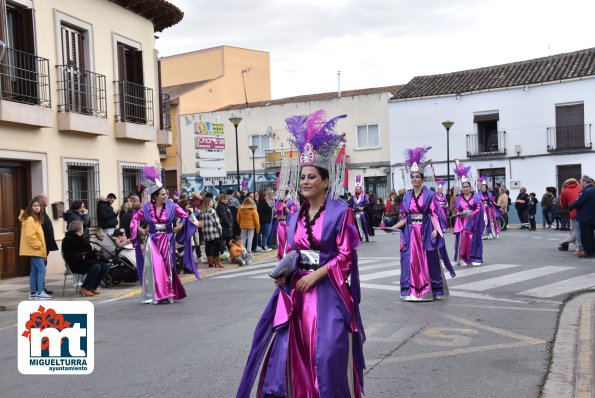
(9, 227)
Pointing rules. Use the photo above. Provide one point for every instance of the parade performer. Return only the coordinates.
(284, 209)
(442, 201)
(490, 211)
(311, 334)
(359, 201)
(421, 237)
(157, 271)
(469, 222)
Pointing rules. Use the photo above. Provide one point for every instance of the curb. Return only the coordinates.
(571, 369)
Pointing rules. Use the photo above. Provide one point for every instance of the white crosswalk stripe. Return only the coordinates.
(562, 287)
(508, 279)
(381, 273)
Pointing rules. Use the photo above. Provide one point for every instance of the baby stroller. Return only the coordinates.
(122, 267)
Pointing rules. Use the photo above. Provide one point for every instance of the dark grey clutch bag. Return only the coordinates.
(286, 265)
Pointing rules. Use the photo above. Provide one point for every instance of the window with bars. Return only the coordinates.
(83, 185)
(368, 136)
(130, 180)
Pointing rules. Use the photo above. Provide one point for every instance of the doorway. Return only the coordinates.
(13, 198)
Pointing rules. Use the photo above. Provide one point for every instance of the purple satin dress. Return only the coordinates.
(420, 282)
(468, 231)
(282, 213)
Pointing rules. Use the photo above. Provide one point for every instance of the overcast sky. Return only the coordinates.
(380, 42)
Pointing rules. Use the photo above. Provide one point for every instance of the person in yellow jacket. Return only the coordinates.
(33, 245)
(237, 253)
(249, 222)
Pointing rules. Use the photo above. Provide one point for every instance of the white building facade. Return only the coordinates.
(263, 125)
(533, 130)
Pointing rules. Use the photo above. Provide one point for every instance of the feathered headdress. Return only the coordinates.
(414, 159)
(483, 180)
(150, 179)
(317, 145)
(462, 172)
(440, 182)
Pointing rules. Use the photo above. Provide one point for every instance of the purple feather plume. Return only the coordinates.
(315, 129)
(482, 179)
(462, 170)
(440, 181)
(150, 173)
(416, 155)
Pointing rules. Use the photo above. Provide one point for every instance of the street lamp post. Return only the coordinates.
(235, 120)
(253, 148)
(447, 125)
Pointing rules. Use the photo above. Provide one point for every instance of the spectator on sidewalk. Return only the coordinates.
(547, 201)
(212, 232)
(78, 211)
(226, 219)
(562, 212)
(106, 216)
(265, 217)
(48, 232)
(249, 222)
(570, 192)
(585, 205)
(522, 207)
(532, 211)
(502, 203)
(32, 245)
(238, 253)
(81, 258)
(234, 206)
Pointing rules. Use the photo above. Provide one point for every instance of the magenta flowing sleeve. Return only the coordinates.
(134, 224)
(339, 267)
(181, 213)
(434, 209)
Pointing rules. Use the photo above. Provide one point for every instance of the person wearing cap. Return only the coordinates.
(312, 327)
(156, 267)
(469, 221)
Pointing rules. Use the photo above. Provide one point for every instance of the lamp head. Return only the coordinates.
(253, 148)
(235, 120)
(447, 124)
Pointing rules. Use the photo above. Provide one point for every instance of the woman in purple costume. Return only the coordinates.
(311, 330)
(442, 201)
(157, 271)
(469, 224)
(491, 211)
(421, 237)
(284, 208)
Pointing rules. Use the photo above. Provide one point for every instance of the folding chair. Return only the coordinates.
(77, 279)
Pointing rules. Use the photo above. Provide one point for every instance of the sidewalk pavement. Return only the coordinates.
(572, 368)
(15, 290)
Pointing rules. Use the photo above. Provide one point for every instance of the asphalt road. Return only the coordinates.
(491, 338)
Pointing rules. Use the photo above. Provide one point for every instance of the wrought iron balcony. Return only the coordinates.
(25, 78)
(486, 144)
(81, 91)
(569, 138)
(165, 112)
(134, 103)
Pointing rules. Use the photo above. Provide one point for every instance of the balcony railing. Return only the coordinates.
(134, 103)
(274, 157)
(25, 78)
(492, 144)
(165, 112)
(81, 91)
(569, 138)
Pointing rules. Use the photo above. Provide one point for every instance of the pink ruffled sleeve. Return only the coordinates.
(134, 224)
(340, 266)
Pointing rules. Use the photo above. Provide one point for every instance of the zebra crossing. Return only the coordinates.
(498, 282)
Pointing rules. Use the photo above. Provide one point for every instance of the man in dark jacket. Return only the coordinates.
(78, 211)
(48, 231)
(106, 217)
(225, 218)
(585, 205)
(522, 207)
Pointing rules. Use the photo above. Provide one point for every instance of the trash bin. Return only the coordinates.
(57, 210)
